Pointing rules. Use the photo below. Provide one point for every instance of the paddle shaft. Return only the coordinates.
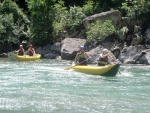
(75, 65)
(80, 63)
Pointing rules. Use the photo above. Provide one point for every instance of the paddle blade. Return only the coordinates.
(67, 68)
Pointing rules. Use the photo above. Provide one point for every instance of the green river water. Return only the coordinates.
(45, 87)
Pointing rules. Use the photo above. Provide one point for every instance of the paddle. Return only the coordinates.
(75, 65)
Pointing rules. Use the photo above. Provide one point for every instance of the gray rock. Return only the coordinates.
(51, 56)
(136, 39)
(70, 46)
(128, 54)
(144, 57)
(56, 47)
(115, 16)
(44, 50)
(95, 53)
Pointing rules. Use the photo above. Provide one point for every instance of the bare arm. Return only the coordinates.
(23, 52)
(103, 56)
(109, 60)
(16, 52)
(33, 51)
(76, 58)
(106, 55)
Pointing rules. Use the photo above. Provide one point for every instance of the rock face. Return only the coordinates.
(144, 57)
(95, 53)
(134, 54)
(136, 39)
(115, 16)
(49, 52)
(129, 55)
(51, 56)
(56, 47)
(70, 47)
(147, 37)
(44, 50)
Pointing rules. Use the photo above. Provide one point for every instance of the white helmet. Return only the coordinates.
(105, 50)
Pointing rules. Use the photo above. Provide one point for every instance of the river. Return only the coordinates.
(45, 87)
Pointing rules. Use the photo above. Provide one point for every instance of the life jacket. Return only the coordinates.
(103, 61)
(81, 58)
(21, 52)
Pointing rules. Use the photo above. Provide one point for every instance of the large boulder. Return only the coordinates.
(95, 54)
(143, 57)
(114, 15)
(147, 37)
(51, 56)
(48, 51)
(56, 47)
(44, 50)
(136, 39)
(147, 33)
(70, 46)
(128, 54)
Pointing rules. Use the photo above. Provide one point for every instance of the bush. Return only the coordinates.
(60, 17)
(100, 30)
(13, 25)
(41, 19)
(75, 16)
(70, 19)
(137, 10)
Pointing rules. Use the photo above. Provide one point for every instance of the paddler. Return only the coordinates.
(31, 50)
(104, 58)
(20, 51)
(81, 57)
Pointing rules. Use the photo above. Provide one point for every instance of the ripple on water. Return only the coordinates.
(45, 86)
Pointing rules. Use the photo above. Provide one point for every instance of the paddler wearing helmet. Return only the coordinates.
(20, 51)
(104, 58)
(81, 57)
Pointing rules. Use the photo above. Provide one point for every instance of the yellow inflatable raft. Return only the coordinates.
(16, 57)
(108, 70)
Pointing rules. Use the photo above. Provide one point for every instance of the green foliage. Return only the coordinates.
(75, 16)
(89, 8)
(13, 25)
(42, 16)
(100, 30)
(137, 9)
(72, 18)
(60, 18)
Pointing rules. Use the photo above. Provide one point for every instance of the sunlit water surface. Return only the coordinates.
(45, 87)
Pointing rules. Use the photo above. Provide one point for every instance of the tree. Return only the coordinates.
(14, 25)
(41, 18)
(137, 10)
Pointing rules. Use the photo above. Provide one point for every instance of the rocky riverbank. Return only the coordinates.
(131, 45)
(68, 48)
